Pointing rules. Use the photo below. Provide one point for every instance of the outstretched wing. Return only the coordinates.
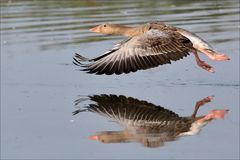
(153, 48)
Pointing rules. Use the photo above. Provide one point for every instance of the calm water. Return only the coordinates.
(39, 83)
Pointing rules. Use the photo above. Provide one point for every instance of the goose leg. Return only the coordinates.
(213, 55)
(202, 64)
(201, 103)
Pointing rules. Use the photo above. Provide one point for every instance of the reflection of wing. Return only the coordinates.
(122, 108)
(131, 112)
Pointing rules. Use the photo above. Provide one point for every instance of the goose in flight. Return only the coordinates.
(147, 46)
(144, 122)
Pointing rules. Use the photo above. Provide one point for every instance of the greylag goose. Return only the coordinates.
(144, 122)
(148, 46)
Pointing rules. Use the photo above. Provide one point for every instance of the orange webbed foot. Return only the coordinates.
(205, 66)
(219, 57)
(211, 54)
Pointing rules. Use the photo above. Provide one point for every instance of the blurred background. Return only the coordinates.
(39, 83)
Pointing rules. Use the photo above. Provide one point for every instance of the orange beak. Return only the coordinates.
(94, 29)
(93, 137)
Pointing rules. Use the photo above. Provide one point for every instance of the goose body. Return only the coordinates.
(147, 46)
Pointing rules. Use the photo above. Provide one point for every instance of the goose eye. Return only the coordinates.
(104, 25)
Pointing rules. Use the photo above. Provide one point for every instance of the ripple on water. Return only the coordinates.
(57, 23)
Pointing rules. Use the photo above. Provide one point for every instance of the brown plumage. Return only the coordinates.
(148, 46)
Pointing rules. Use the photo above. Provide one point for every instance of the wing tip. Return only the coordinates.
(78, 59)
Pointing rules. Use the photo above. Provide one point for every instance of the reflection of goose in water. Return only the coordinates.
(145, 122)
